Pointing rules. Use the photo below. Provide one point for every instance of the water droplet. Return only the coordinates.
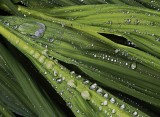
(135, 113)
(78, 111)
(49, 65)
(128, 21)
(93, 86)
(133, 65)
(113, 111)
(122, 106)
(71, 83)
(69, 104)
(112, 100)
(72, 73)
(33, 29)
(99, 90)
(55, 73)
(117, 50)
(59, 80)
(51, 39)
(100, 108)
(105, 102)
(6, 23)
(136, 22)
(105, 95)
(85, 95)
(86, 82)
(78, 77)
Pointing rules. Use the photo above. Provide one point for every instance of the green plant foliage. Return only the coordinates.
(24, 98)
(84, 45)
(115, 43)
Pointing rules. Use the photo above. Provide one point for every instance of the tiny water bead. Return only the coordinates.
(33, 29)
(112, 100)
(69, 104)
(122, 106)
(105, 102)
(86, 82)
(99, 90)
(59, 80)
(135, 113)
(106, 95)
(93, 86)
(133, 65)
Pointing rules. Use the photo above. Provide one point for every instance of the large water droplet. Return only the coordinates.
(33, 29)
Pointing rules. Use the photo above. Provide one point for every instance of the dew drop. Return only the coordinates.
(105, 103)
(113, 111)
(55, 73)
(133, 65)
(112, 100)
(50, 39)
(59, 80)
(6, 23)
(93, 86)
(69, 104)
(99, 90)
(85, 95)
(105, 95)
(122, 106)
(78, 77)
(86, 82)
(71, 83)
(100, 108)
(135, 113)
(78, 111)
(33, 29)
(117, 50)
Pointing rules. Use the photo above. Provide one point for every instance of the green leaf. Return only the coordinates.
(76, 92)
(4, 111)
(129, 70)
(20, 93)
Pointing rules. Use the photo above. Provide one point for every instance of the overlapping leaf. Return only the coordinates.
(120, 67)
(82, 99)
(18, 91)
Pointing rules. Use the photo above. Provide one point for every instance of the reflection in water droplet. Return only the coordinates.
(133, 65)
(93, 86)
(122, 106)
(78, 77)
(59, 80)
(135, 113)
(33, 29)
(99, 90)
(105, 95)
(105, 102)
(113, 111)
(69, 104)
(85, 95)
(50, 39)
(85, 81)
(112, 100)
